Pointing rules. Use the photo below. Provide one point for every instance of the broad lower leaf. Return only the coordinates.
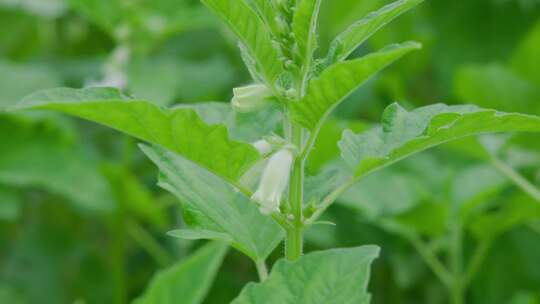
(252, 32)
(405, 133)
(331, 276)
(39, 154)
(213, 209)
(338, 81)
(346, 42)
(305, 27)
(178, 129)
(188, 281)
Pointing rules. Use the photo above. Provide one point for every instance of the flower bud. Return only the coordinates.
(274, 181)
(250, 98)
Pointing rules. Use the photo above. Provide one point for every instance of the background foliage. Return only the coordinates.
(82, 221)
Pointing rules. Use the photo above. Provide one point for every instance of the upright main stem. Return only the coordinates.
(294, 240)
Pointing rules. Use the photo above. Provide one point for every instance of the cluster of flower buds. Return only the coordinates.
(285, 41)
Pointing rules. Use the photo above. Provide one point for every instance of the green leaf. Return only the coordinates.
(346, 42)
(331, 276)
(178, 129)
(305, 27)
(405, 133)
(188, 281)
(213, 209)
(252, 32)
(41, 154)
(265, 10)
(338, 81)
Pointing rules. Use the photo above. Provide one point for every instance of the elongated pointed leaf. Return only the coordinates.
(340, 80)
(252, 32)
(331, 276)
(214, 209)
(405, 133)
(346, 42)
(188, 281)
(305, 27)
(178, 129)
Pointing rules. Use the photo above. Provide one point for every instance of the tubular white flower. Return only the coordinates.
(274, 181)
(250, 98)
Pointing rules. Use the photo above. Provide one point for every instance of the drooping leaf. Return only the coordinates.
(496, 86)
(18, 80)
(252, 32)
(214, 209)
(305, 27)
(338, 81)
(346, 42)
(178, 129)
(405, 133)
(525, 61)
(331, 276)
(187, 281)
(42, 155)
(10, 204)
(518, 210)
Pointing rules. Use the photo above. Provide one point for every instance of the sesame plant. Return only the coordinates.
(239, 169)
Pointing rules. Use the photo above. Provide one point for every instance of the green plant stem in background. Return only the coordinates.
(431, 260)
(517, 178)
(148, 243)
(456, 261)
(118, 268)
(294, 241)
(476, 261)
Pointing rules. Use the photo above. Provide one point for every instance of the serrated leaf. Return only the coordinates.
(188, 281)
(213, 205)
(179, 129)
(305, 27)
(338, 81)
(331, 276)
(405, 133)
(252, 32)
(345, 43)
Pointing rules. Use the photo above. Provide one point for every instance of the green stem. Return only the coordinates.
(476, 261)
(117, 258)
(456, 261)
(148, 243)
(431, 260)
(262, 270)
(517, 178)
(294, 241)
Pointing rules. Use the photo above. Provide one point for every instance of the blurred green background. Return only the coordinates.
(82, 221)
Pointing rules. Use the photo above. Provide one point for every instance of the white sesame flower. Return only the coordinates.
(250, 98)
(274, 181)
